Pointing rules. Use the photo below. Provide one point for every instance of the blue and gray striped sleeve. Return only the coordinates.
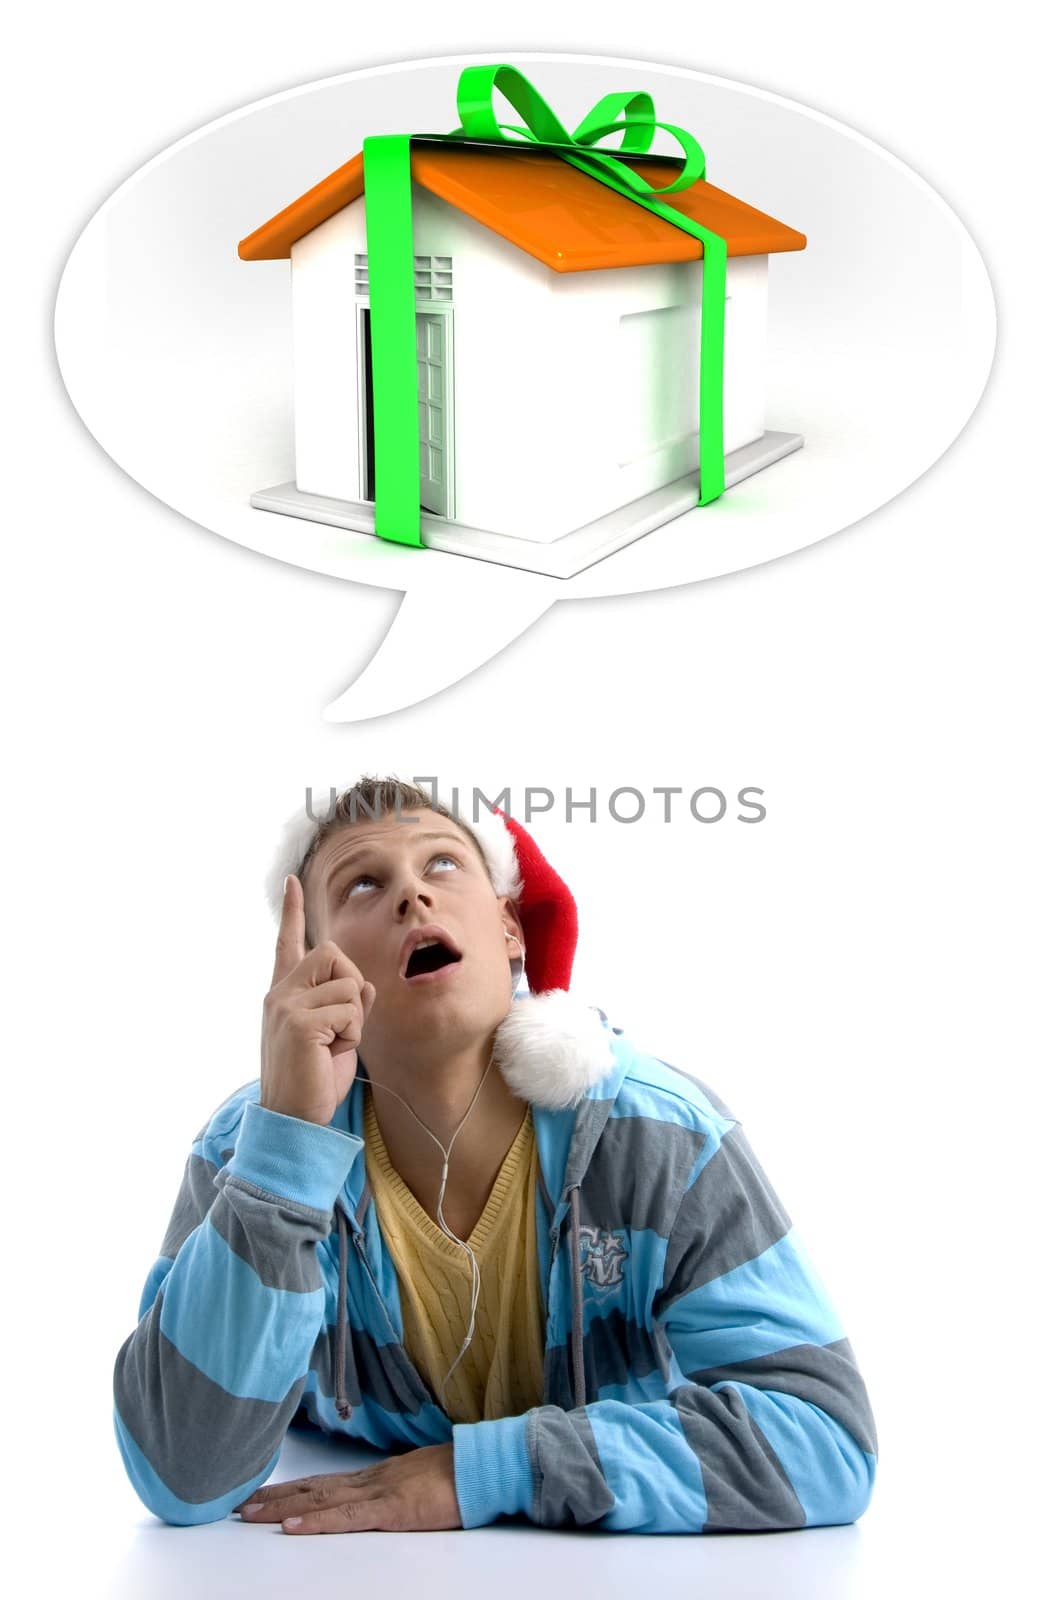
(766, 1423)
(209, 1380)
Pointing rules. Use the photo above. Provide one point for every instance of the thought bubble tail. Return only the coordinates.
(441, 633)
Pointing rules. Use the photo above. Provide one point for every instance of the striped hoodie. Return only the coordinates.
(696, 1377)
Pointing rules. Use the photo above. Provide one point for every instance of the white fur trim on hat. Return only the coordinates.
(550, 1049)
(299, 832)
(497, 843)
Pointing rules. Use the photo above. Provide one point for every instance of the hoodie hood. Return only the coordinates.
(557, 1054)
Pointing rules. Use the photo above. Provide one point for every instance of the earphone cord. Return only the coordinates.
(439, 1206)
(443, 1184)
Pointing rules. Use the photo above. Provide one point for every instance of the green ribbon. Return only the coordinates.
(390, 249)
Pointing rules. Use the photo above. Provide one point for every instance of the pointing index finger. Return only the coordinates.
(292, 933)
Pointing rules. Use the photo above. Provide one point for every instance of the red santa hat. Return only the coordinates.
(550, 1048)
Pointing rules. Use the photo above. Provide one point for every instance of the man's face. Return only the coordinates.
(373, 885)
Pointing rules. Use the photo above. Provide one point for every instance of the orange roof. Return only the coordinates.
(545, 207)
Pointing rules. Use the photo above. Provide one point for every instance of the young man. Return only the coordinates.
(472, 1224)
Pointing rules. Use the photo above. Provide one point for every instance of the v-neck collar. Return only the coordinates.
(486, 1230)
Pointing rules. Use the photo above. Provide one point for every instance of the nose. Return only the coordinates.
(410, 893)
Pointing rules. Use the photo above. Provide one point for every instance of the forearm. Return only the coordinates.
(699, 1461)
(208, 1382)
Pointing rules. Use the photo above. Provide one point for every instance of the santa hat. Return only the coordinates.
(550, 1048)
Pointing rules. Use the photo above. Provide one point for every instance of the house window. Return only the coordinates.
(433, 277)
(659, 370)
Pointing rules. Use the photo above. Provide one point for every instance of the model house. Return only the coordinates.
(558, 327)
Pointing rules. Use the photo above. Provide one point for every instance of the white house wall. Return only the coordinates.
(652, 315)
(745, 350)
(574, 393)
(559, 418)
(641, 331)
(520, 458)
(325, 400)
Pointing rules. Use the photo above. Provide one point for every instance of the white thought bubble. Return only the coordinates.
(178, 355)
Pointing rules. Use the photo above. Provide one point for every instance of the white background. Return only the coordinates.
(869, 977)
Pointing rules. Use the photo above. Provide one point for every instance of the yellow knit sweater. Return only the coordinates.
(501, 1373)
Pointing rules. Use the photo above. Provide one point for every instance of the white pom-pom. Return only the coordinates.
(551, 1048)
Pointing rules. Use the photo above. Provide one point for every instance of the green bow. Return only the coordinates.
(390, 249)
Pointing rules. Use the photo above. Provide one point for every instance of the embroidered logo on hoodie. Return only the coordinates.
(602, 1252)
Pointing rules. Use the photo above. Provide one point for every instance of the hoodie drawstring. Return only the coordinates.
(343, 1405)
(576, 1338)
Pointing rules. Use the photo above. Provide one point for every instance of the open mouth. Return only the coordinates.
(430, 957)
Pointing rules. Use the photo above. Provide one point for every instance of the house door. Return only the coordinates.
(434, 407)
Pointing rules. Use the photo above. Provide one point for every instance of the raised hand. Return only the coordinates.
(312, 1020)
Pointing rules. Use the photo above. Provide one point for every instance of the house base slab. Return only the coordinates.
(563, 557)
